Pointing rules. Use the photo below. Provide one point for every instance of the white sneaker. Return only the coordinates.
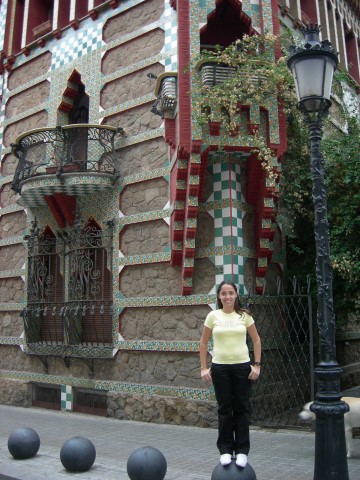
(225, 459)
(241, 460)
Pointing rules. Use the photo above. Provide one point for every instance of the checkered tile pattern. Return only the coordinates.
(228, 221)
(75, 44)
(66, 397)
(171, 31)
(32, 194)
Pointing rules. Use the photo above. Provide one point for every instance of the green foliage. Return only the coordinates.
(342, 176)
(341, 153)
(255, 77)
(260, 75)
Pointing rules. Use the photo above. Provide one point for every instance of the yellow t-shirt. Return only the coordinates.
(229, 335)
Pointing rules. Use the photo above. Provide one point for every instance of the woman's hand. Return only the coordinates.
(255, 372)
(206, 374)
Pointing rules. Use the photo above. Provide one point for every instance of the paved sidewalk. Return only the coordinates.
(190, 452)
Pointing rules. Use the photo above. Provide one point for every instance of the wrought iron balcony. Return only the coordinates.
(73, 159)
(78, 328)
(166, 92)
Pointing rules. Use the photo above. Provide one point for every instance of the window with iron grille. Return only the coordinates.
(46, 396)
(90, 401)
(69, 285)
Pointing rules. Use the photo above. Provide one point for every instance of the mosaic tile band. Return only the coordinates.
(131, 388)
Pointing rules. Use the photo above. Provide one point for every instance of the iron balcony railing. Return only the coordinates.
(80, 323)
(72, 148)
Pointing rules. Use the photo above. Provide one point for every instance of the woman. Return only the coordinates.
(231, 371)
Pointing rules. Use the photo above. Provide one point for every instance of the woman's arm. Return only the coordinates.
(255, 369)
(205, 337)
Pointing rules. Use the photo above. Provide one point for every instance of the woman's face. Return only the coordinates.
(227, 296)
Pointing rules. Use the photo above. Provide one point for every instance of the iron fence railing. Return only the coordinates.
(285, 325)
(66, 149)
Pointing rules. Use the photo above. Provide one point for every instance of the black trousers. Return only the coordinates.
(232, 391)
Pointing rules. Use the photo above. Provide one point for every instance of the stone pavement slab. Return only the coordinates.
(190, 452)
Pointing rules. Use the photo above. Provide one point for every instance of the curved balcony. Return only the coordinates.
(73, 159)
(166, 93)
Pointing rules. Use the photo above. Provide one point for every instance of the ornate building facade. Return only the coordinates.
(119, 215)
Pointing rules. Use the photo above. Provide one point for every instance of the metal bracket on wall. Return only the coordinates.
(89, 362)
(44, 361)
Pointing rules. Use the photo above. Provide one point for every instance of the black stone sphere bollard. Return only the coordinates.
(23, 443)
(233, 472)
(77, 454)
(146, 463)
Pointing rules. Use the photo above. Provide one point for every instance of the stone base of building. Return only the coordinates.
(15, 392)
(163, 410)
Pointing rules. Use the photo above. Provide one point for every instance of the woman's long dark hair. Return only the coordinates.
(237, 305)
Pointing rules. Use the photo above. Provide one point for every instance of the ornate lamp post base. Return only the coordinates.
(330, 446)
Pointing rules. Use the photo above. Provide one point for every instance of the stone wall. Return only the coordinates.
(144, 238)
(29, 70)
(7, 196)
(137, 120)
(11, 324)
(144, 197)
(178, 369)
(39, 120)
(130, 86)
(15, 392)
(12, 257)
(163, 323)
(28, 99)
(13, 224)
(142, 157)
(154, 280)
(8, 165)
(12, 290)
(133, 51)
(133, 19)
(156, 409)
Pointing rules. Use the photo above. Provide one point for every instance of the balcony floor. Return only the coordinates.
(33, 190)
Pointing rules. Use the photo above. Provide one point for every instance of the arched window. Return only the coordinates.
(69, 286)
(89, 285)
(45, 289)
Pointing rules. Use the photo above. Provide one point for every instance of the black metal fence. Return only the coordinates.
(284, 322)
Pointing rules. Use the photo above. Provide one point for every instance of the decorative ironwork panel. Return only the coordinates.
(69, 301)
(45, 291)
(89, 148)
(71, 148)
(88, 313)
(37, 151)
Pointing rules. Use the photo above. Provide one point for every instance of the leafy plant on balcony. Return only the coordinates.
(257, 76)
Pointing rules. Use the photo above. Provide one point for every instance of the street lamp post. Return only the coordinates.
(313, 66)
